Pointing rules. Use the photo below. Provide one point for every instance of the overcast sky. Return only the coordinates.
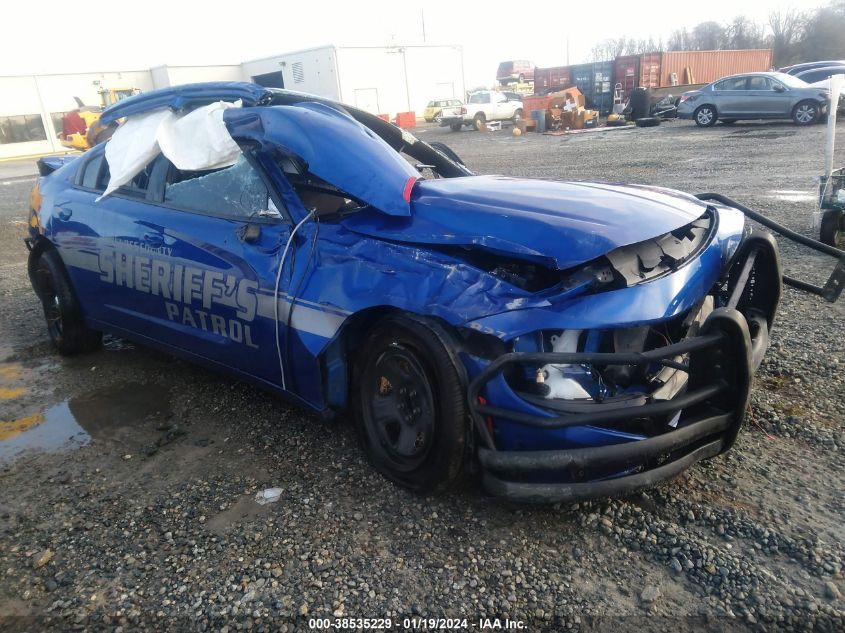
(46, 36)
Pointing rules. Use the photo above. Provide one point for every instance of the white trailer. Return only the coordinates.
(378, 79)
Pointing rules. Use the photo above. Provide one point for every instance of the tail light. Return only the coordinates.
(35, 200)
(688, 98)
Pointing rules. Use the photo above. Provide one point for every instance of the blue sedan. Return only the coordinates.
(569, 340)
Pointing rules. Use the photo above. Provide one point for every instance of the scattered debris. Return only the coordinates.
(41, 559)
(268, 495)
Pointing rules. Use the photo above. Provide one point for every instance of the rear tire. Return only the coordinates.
(833, 228)
(455, 127)
(65, 323)
(517, 116)
(478, 120)
(409, 400)
(705, 116)
(438, 117)
(805, 113)
(651, 121)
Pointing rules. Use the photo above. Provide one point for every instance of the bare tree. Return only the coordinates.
(823, 33)
(787, 27)
(745, 33)
(680, 40)
(708, 36)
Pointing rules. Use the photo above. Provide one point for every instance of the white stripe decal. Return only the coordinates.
(306, 318)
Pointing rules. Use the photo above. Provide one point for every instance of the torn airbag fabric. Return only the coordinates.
(195, 141)
(199, 140)
(132, 147)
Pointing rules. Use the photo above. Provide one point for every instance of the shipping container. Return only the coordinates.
(602, 73)
(582, 78)
(704, 67)
(650, 69)
(548, 80)
(626, 74)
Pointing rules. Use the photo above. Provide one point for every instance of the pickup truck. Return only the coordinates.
(482, 106)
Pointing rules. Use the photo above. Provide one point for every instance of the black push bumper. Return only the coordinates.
(720, 362)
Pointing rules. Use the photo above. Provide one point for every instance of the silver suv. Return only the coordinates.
(754, 96)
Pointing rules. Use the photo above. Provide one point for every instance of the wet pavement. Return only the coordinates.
(100, 415)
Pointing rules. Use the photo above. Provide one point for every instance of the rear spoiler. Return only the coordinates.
(48, 164)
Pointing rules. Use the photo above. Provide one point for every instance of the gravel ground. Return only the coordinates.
(146, 519)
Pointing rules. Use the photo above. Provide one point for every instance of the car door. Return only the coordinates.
(500, 107)
(730, 96)
(213, 241)
(767, 97)
(87, 228)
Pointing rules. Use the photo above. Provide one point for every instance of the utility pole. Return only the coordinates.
(422, 20)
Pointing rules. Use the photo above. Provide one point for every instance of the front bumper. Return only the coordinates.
(721, 361)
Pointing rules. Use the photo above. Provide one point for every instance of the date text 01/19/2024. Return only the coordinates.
(416, 624)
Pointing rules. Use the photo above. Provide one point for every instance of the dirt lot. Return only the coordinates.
(141, 515)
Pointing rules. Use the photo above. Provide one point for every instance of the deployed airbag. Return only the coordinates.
(195, 141)
(199, 140)
(132, 147)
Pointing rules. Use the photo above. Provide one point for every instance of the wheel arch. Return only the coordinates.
(338, 358)
(39, 246)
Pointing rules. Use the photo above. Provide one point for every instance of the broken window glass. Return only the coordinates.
(235, 191)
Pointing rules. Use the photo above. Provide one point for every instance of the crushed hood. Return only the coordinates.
(557, 224)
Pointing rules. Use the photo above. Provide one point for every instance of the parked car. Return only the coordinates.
(797, 68)
(754, 96)
(482, 106)
(825, 85)
(577, 339)
(434, 110)
(518, 71)
(814, 75)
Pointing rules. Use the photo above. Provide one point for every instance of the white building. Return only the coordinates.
(381, 80)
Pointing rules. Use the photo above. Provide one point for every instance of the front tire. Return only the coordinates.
(805, 113)
(705, 116)
(410, 404)
(833, 228)
(65, 323)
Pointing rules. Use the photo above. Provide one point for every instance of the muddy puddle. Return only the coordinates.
(97, 415)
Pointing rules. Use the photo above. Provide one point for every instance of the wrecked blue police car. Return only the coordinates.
(567, 339)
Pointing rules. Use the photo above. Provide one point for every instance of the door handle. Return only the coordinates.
(65, 214)
(153, 239)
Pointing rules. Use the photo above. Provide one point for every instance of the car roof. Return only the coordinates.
(809, 65)
(302, 124)
(840, 67)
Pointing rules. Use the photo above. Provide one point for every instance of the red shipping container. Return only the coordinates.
(406, 119)
(650, 64)
(551, 79)
(626, 74)
(384, 117)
